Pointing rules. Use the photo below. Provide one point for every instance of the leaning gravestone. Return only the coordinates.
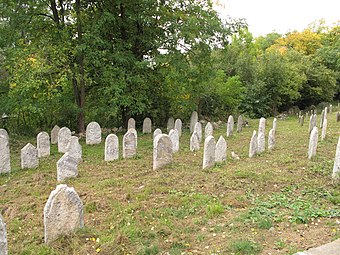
(3, 237)
(93, 133)
(194, 142)
(221, 150)
(63, 213)
(209, 152)
(131, 123)
(324, 130)
(313, 143)
(5, 161)
(312, 122)
(230, 126)
(198, 130)
(209, 130)
(147, 126)
(74, 148)
(130, 143)
(162, 151)
(54, 134)
(67, 167)
(111, 148)
(157, 132)
(261, 137)
(271, 139)
(174, 137)
(193, 121)
(239, 124)
(178, 126)
(253, 145)
(336, 166)
(43, 144)
(64, 137)
(29, 157)
(171, 124)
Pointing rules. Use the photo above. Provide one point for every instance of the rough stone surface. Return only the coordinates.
(198, 130)
(43, 144)
(147, 126)
(93, 133)
(64, 137)
(322, 117)
(3, 237)
(336, 166)
(261, 137)
(302, 120)
(275, 123)
(221, 150)
(29, 157)
(253, 145)
(208, 130)
(157, 132)
(162, 151)
(312, 122)
(63, 213)
(193, 121)
(111, 148)
(332, 248)
(130, 143)
(5, 161)
(54, 134)
(230, 126)
(209, 152)
(324, 129)
(67, 167)
(313, 143)
(74, 148)
(178, 126)
(174, 137)
(239, 124)
(171, 124)
(271, 139)
(131, 123)
(194, 142)
(262, 125)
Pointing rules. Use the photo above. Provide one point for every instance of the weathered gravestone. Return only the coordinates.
(162, 151)
(174, 137)
(67, 167)
(147, 126)
(54, 134)
(193, 121)
(209, 152)
(337, 116)
(313, 143)
(178, 126)
(74, 148)
(198, 130)
(336, 166)
(324, 130)
(63, 213)
(29, 157)
(322, 117)
(208, 130)
(43, 144)
(111, 148)
(330, 108)
(171, 124)
(194, 142)
(5, 161)
(274, 124)
(157, 132)
(271, 139)
(302, 120)
(253, 145)
(221, 150)
(64, 137)
(93, 133)
(3, 237)
(312, 122)
(130, 143)
(239, 124)
(261, 137)
(131, 123)
(230, 126)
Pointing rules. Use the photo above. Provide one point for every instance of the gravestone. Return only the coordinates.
(271, 139)
(262, 125)
(209, 130)
(29, 157)
(337, 116)
(3, 237)
(313, 143)
(64, 137)
(111, 148)
(178, 126)
(239, 124)
(261, 137)
(162, 151)
(253, 145)
(330, 108)
(54, 134)
(93, 133)
(157, 132)
(74, 148)
(63, 213)
(194, 142)
(147, 126)
(5, 161)
(131, 123)
(67, 167)
(230, 126)
(322, 117)
(174, 137)
(193, 121)
(171, 124)
(221, 150)
(302, 120)
(312, 122)
(275, 123)
(336, 166)
(198, 130)
(326, 113)
(324, 130)
(130, 143)
(43, 144)
(209, 152)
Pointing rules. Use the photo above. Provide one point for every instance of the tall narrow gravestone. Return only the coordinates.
(111, 148)
(313, 143)
(253, 145)
(174, 137)
(324, 130)
(147, 126)
(209, 152)
(74, 148)
(130, 143)
(67, 167)
(261, 137)
(193, 121)
(208, 130)
(29, 157)
(157, 132)
(5, 162)
(194, 142)
(162, 151)
(336, 166)
(178, 126)
(64, 137)
(63, 213)
(171, 124)
(3, 237)
(131, 123)
(239, 124)
(54, 134)
(230, 126)
(93, 133)
(274, 124)
(198, 130)
(221, 150)
(271, 139)
(43, 144)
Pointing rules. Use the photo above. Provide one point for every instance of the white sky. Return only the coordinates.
(265, 16)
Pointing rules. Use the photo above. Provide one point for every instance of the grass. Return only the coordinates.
(278, 200)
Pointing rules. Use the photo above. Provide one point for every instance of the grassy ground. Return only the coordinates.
(276, 203)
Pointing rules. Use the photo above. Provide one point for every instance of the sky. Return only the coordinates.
(266, 16)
